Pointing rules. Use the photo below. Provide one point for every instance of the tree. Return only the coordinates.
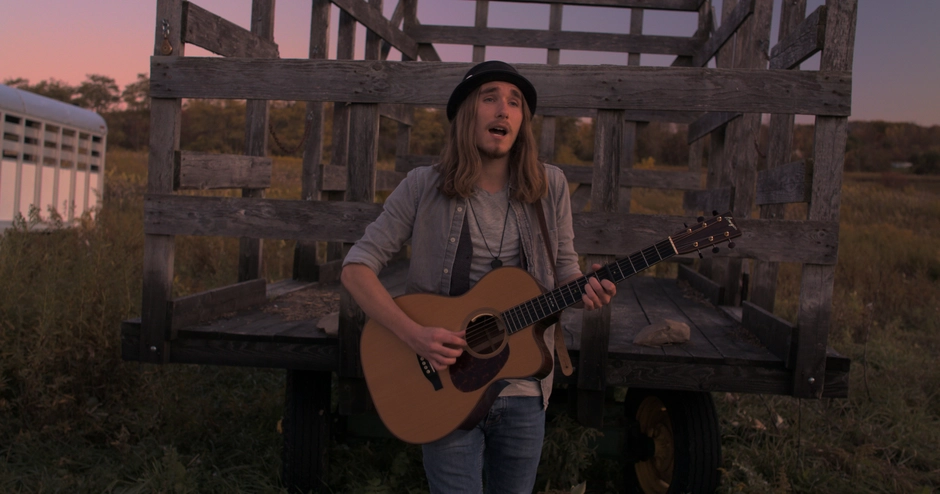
(51, 88)
(136, 95)
(98, 93)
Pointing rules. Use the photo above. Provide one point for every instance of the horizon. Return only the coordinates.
(896, 56)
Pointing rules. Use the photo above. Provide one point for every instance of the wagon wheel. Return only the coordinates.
(672, 442)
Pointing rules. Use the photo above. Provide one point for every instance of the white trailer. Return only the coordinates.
(52, 157)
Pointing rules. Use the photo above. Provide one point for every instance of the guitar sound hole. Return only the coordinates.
(485, 334)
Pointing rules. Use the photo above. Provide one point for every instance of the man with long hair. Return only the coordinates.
(475, 211)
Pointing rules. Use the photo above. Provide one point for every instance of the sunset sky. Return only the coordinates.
(896, 71)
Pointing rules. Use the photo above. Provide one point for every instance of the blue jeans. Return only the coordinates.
(502, 452)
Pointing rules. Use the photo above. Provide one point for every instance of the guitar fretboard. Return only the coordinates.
(559, 299)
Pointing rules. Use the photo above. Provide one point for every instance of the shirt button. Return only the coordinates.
(452, 239)
(459, 209)
(446, 271)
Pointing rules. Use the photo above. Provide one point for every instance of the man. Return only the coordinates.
(473, 212)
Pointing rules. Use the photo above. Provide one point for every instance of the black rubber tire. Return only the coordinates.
(672, 443)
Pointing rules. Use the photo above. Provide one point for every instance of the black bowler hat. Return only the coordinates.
(490, 71)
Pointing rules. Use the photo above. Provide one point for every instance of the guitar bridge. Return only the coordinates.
(429, 373)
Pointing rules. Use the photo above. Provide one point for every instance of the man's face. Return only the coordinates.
(499, 117)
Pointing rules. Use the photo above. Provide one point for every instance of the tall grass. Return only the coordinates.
(75, 418)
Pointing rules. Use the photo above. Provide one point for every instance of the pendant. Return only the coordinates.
(496, 263)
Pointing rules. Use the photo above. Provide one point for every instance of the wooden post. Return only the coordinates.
(360, 187)
(547, 136)
(305, 253)
(630, 127)
(256, 142)
(307, 417)
(482, 11)
(764, 276)
(159, 250)
(595, 333)
(815, 311)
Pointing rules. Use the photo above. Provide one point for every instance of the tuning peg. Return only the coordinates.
(730, 245)
(714, 212)
(715, 249)
(700, 219)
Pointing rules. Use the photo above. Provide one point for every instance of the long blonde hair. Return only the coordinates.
(461, 165)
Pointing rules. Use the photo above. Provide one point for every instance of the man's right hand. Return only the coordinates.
(438, 346)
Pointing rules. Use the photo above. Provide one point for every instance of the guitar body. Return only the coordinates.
(419, 405)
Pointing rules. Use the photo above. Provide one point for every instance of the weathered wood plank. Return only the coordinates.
(816, 286)
(373, 19)
(222, 37)
(193, 309)
(556, 40)
(686, 5)
(203, 171)
(577, 86)
(784, 184)
(780, 241)
(708, 200)
(763, 280)
(595, 232)
(658, 307)
(708, 122)
(632, 177)
(262, 218)
(729, 26)
(595, 325)
(708, 288)
(773, 332)
(807, 40)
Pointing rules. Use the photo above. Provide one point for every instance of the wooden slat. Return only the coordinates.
(577, 86)
(773, 332)
(669, 116)
(708, 122)
(785, 184)
(203, 171)
(187, 311)
(729, 26)
(595, 325)
(763, 282)
(711, 290)
(258, 218)
(816, 286)
(374, 21)
(807, 40)
(632, 177)
(709, 200)
(557, 40)
(779, 241)
(222, 37)
(685, 5)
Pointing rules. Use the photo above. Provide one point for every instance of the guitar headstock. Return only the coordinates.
(706, 233)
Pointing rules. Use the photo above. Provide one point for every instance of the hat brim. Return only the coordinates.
(468, 85)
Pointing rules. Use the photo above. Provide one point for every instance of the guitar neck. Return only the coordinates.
(563, 297)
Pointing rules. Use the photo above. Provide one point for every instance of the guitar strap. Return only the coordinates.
(563, 359)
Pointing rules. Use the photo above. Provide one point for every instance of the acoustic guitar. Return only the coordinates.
(505, 316)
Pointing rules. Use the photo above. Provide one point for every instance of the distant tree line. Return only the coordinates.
(219, 126)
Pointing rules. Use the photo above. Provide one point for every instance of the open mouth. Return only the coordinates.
(500, 131)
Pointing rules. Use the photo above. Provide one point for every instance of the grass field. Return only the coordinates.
(75, 418)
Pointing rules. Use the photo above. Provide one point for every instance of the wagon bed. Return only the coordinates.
(722, 355)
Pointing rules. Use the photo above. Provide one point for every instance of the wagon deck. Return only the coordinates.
(722, 355)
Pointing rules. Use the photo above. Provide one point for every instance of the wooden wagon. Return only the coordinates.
(737, 343)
